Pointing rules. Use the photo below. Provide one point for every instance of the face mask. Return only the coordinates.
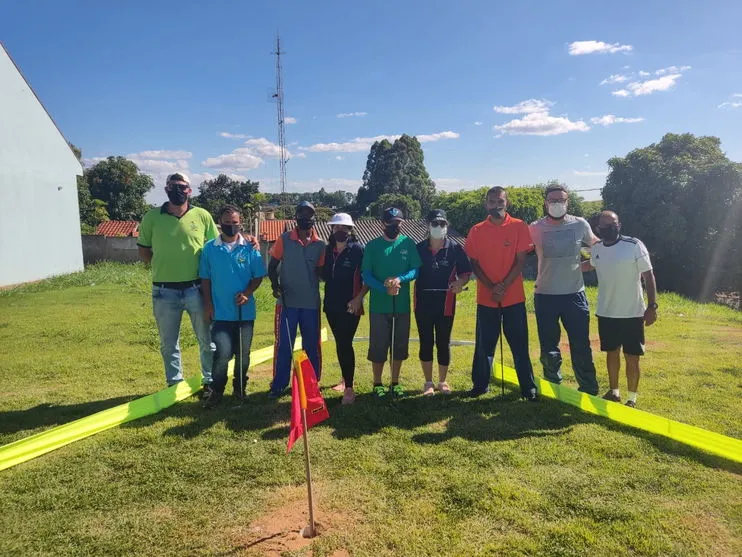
(305, 223)
(391, 230)
(230, 229)
(608, 233)
(340, 236)
(497, 213)
(177, 196)
(438, 232)
(557, 210)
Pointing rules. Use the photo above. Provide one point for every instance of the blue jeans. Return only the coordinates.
(168, 305)
(574, 312)
(515, 327)
(225, 337)
(308, 322)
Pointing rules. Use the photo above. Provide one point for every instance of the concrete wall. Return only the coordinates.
(100, 248)
(39, 216)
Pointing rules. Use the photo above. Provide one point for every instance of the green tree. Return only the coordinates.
(683, 198)
(222, 190)
(397, 168)
(409, 206)
(92, 211)
(118, 183)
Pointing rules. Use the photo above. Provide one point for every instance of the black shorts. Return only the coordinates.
(626, 332)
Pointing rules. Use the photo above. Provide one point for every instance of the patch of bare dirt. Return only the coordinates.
(279, 530)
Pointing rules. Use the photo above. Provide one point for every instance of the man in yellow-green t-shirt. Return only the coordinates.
(171, 238)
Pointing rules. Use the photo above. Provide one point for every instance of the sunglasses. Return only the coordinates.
(438, 223)
(181, 187)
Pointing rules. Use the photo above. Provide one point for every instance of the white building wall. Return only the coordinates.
(39, 215)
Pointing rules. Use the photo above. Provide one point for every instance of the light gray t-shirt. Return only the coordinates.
(558, 250)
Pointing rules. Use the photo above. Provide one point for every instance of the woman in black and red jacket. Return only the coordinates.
(344, 292)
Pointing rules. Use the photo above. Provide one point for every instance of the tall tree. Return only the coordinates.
(92, 211)
(222, 190)
(683, 198)
(397, 168)
(118, 183)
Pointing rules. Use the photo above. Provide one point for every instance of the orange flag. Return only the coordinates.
(304, 395)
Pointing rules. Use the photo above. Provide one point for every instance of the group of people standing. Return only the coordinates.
(212, 276)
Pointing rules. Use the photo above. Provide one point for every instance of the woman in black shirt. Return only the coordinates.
(444, 273)
(344, 292)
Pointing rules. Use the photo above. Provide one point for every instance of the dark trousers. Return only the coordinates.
(224, 334)
(515, 326)
(574, 313)
(286, 322)
(434, 329)
(343, 326)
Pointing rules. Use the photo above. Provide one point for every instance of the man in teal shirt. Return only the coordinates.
(390, 263)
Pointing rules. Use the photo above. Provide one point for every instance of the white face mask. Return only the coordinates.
(438, 232)
(557, 210)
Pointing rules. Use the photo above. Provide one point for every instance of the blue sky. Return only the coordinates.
(500, 92)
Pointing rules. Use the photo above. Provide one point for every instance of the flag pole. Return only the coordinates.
(309, 531)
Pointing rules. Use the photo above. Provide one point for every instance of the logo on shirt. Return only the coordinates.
(194, 227)
(507, 243)
(241, 258)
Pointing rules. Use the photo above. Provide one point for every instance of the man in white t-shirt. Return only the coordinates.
(622, 262)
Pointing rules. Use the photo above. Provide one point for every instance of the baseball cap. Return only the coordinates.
(178, 177)
(392, 213)
(342, 219)
(437, 214)
(305, 204)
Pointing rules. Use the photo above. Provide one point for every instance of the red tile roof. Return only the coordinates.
(114, 228)
(270, 230)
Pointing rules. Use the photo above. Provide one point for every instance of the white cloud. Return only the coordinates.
(737, 95)
(610, 119)
(477, 123)
(264, 147)
(589, 173)
(671, 69)
(163, 154)
(233, 135)
(621, 93)
(437, 136)
(243, 159)
(642, 73)
(360, 144)
(541, 123)
(199, 177)
(579, 48)
(290, 120)
(455, 184)
(530, 106)
(271, 184)
(730, 104)
(615, 78)
(298, 156)
(339, 158)
(351, 114)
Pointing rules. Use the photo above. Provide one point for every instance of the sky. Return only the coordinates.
(507, 93)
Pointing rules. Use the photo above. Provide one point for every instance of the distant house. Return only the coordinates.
(365, 231)
(38, 186)
(118, 229)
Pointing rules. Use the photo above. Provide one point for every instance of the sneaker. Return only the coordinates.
(631, 404)
(211, 400)
(444, 388)
(610, 396)
(380, 391)
(397, 391)
(349, 396)
(531, 397)
(428, 388)
(205, 391)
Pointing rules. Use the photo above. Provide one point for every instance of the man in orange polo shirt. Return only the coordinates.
(497, 250)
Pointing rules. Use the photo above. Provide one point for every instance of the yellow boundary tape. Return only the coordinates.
(714, 443)
(57, 437)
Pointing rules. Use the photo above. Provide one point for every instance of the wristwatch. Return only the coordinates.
(653, 305)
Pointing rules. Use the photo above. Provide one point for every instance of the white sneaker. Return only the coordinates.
(428, 388)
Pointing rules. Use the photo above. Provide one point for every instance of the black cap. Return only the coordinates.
(392, 213)
(437, 214)
(305, 204)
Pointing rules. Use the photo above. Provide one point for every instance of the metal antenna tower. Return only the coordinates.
(278, 95)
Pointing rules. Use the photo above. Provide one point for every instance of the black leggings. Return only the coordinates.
(343, 326)
(441, 325)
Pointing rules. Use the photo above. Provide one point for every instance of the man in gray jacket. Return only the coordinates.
(296, 260)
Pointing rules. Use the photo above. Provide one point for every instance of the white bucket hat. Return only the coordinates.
(342, 219)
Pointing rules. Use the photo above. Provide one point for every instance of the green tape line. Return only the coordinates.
(714, 443)
(41, 443)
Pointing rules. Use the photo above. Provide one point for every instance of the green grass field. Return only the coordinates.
(420, 476)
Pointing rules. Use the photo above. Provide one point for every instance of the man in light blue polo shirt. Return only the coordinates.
(231, 269)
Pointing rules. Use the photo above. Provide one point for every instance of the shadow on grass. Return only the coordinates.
(45, 415)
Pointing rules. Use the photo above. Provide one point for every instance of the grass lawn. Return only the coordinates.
(433, 476)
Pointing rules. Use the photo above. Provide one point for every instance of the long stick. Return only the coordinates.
(239, 343)
(394, 323)
(502, 357)
(308, 469)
